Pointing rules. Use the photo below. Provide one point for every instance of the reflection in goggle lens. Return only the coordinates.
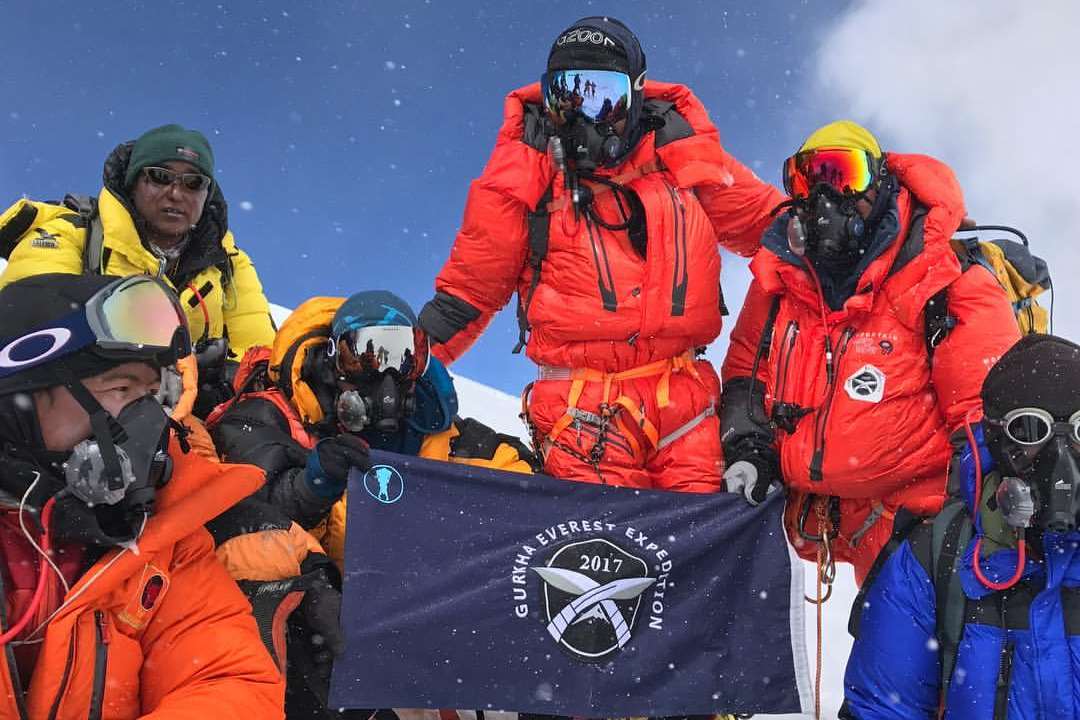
(599, 96)
(846, 170)
(139, 312)
(378, 348)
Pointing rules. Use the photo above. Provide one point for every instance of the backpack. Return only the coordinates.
(85, 215)
(1022, 275)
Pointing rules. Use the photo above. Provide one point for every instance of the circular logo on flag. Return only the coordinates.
(592, 593)
(384, 483)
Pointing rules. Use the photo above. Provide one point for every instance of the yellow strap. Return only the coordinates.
(188, 368)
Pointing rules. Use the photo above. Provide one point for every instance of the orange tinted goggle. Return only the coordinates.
(844, 169)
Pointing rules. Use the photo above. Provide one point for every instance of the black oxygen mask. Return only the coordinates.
(1038, 456)
(380, 402)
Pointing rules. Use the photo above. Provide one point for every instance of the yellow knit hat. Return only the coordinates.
(843, 134)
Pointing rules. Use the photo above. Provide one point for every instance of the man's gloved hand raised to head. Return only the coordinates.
(755, 475)
(329, 462)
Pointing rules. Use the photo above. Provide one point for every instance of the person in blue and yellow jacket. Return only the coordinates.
(160, 213)
(976, 613)
(342, 375)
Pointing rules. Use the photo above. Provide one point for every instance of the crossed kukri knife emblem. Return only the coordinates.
(592, 600)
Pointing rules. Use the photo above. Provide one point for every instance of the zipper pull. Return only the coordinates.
(103, 627)
(828, 359)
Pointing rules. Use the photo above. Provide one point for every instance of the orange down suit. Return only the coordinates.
(625, 327)
(875, 432)
(164, 634)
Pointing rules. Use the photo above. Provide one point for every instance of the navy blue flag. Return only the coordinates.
(473, 588)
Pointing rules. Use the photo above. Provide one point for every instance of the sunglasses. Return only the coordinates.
(1034, 426)
(846, 170)
(599, 96)
(163, 177)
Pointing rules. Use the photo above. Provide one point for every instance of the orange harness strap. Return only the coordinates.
(663, 368)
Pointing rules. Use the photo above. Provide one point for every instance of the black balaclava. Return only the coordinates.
(603, 43)
(1043, 372)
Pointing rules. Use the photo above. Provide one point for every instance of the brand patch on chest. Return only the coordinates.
(45, 240)
(867, 384)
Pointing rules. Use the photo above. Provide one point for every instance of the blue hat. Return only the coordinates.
(371, 307)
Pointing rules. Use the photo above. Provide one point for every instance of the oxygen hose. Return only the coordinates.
(43, 577)
(1021, 547)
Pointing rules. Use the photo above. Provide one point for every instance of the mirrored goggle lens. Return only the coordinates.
(138, 313)
(1033, 426)
(164, 176)
(844, 169)
(600, 96)
(382, 347)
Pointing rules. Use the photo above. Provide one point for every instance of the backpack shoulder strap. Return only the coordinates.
(938, 322)
(539, 233)
(15, 227)
(94, 248)
(951, 532)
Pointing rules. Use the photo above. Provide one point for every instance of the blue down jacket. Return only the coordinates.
(1019, 653)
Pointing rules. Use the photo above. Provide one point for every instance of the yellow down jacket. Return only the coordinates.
(216, 281)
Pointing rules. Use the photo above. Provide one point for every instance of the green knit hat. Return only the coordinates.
(169, 142)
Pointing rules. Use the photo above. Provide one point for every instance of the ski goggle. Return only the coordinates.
(163, 177)
(136, 317)
(1034, 426)
(599, 96)
(846, 170)
(378, 348)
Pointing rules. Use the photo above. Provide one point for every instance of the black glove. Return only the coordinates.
(754, 472)
(315, 634)
(321, 612)
(216, 373)
(328, 464)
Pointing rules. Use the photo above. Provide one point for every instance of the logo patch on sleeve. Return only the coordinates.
(145, 598)
(867, 384)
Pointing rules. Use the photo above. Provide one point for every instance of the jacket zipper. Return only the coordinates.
(607, 285)
(783, 365)
(681, 279)
(822, 419)
(101, 665)
(1004, 678)
(65, 677)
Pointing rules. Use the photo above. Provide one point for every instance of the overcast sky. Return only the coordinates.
(346, 133)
